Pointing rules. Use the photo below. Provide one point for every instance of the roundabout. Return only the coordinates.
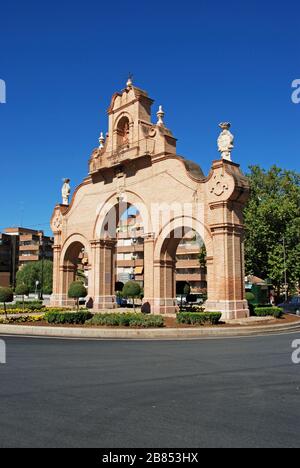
(106, 394)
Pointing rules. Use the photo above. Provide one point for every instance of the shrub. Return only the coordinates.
(6, 295)
(22, 290)
(31, 305)
(67, 317)
(132, 289)
(127, 320)
(250, 296)
(268, 312)
(191, 318)
(76, 291)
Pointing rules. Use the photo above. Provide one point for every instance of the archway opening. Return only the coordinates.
(183, 270)
(76, 265)
(124, 226)
(190, 271)
(123, 132)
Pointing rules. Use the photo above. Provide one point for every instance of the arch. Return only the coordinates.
(176, 225)
(123, 130)
(164, 260)
(118, 207)
(120, 117)
(72, 241)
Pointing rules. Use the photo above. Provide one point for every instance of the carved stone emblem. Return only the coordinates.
(57, 222)
(220, 185)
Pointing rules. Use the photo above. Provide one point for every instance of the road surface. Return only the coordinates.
(242, 392)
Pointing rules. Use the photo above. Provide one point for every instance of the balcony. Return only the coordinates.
(31, 247)
(130, 263)
(143, 147)
(130, 248)
(28, 258)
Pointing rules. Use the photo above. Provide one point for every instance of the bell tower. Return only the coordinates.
(131, 134)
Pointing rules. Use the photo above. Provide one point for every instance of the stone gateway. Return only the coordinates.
(136, 165)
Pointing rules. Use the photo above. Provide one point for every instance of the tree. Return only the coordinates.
(76, 291)
(30, 273)
(202, 256)
(132, 289)
(272, 221)
(6, 295)
(22, 290)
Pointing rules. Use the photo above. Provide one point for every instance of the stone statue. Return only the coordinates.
(65, 192)
(225, 141)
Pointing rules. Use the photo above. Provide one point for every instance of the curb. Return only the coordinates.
(147, 334)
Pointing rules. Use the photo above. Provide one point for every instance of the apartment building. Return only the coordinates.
(130, 255)
(33, 245)
(9, 247)
(19, 246)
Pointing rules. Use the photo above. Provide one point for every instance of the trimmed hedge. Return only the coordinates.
(268, 312)
(67, 317)
(127, 320)
(203, 318)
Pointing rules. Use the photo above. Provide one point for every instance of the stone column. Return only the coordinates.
(56, 292)
(164, 301)
(103, 277)
(227, 192)
(226, 278)
(148, 301)
(67, 276)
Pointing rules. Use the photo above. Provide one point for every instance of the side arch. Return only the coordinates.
(71, 240)
(176, 225)
(164, 261)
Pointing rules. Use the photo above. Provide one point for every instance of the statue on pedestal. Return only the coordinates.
(225, 141)
(65, 192)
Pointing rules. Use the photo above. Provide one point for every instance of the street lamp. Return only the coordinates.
(285, 270)
(42, 272)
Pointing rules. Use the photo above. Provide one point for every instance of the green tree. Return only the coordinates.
(6, 295)
(202, 257)
(32, 272)
(272, 218)
(22, 290)
(76, 291)
(132, 289)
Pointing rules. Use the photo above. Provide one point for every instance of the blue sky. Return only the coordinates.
(205, 61)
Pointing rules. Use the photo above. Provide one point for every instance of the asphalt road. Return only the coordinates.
(210, 393)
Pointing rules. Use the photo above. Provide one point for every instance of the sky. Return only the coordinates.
(204, 61)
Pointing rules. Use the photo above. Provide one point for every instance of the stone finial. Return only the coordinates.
(225, 141)
(160, 115)
(65, 192)
(101, 141)
(129, 83)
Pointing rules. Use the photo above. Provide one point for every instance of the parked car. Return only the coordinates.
(292, 306)
(195, 299)
(181, 300)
